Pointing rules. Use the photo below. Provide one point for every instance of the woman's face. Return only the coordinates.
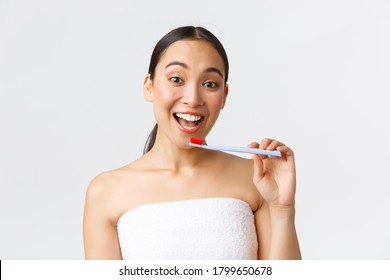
(187, 91)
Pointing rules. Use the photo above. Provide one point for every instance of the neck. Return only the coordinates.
(170, 156)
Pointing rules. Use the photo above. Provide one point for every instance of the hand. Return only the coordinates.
(275, 177)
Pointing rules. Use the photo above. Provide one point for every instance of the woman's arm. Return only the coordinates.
(100, 234)
(276, 234)
(275, 179)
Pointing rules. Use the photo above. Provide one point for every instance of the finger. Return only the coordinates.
(253, 145)
(286, 151)
(274, 144)
(258, 165)
(265, 142)
(257, 146)
(258, 168)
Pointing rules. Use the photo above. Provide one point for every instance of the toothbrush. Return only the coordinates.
(197, 142)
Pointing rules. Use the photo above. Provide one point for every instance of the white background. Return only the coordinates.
(313, 74)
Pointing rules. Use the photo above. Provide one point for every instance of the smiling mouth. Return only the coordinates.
(188, 122)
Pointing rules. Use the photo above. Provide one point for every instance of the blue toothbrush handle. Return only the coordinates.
(240, 150)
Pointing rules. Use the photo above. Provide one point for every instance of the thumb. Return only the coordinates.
(258, 166)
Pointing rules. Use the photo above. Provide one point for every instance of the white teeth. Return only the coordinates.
(188, 117)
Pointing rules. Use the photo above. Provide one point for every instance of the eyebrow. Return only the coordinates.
(185, 66)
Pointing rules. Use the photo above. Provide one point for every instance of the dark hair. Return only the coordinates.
(181, 33)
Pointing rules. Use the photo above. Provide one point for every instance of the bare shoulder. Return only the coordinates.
(103, 185)
(236, 165)
(99, 186)
(99, 227)
(245, 163)
(110, 190)
(110, 181)
(239, 172)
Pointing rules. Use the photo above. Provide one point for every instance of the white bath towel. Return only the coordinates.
(207, 228)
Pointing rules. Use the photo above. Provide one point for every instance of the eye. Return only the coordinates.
(175, 80)
(210, 84)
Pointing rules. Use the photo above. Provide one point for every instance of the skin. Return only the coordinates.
(189, 78)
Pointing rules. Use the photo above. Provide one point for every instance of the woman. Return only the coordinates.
(181, 202)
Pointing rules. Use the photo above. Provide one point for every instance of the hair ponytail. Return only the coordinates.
(151, 139)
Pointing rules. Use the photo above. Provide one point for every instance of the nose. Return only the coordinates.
(192, 96)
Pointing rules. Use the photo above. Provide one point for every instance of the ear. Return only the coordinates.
(148, 88)
(225, 96)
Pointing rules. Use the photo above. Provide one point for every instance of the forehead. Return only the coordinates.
(197, 52)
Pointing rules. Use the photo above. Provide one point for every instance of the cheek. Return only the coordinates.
(164, 95)
(216, 102)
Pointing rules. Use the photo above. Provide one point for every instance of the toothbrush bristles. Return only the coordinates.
(197, 141)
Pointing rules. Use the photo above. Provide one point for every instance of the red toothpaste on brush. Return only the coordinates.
(197, 142)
